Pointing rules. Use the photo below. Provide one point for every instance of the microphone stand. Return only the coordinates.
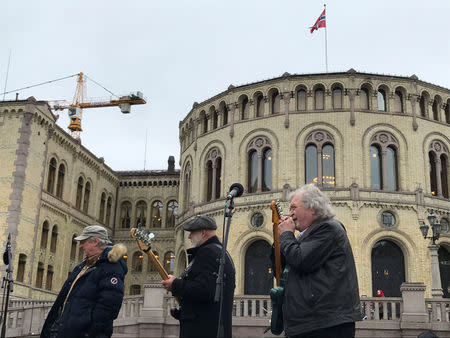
(218, 296)
(7, 282)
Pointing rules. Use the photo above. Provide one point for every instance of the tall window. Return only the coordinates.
(319, 98)
(275, 101)
(438, 162)
(87, 194)
(40, 275)
(101, 216)
(49, 280)
(157, 209)
(215, 115)
(259, 105)
(259, 152)
(383, 161)
(213, 174)
(73, 248)
(364, 98)
(423, 104)
(172, 212)
(21, 267)
(80, 185)
(301, 99)
(137, 261)
(244, 108)
(381, 99)
(204, 121)
(447, 114)
(135, 289)
(187, 186)
(108, 211)
(51, 176)
(435, 109)
(125, 215)
(44, 235)
(54, 239)
(319, 159)
(141, 213)
(224, 111)
(398, 101)
(337, 98)
(169, 262)
(60, 182)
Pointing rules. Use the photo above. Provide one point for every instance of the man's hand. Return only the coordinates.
(168, 283)
(286, 224)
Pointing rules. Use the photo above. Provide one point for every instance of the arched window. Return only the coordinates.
(187, 186)
(213, 174)
(136, 264)
(108, 211)
(73, 248)
(319, 98)
(244, 107)
(204, 120)
(169, 262)
(398, 101)
(151, 267)
(423, 104)
(444, 268)
(259, 152)
(215, 115)
(157, 209)
(301, 99)
(40, 275)
(438, 160)
(101, 215)
(135, 289)
(54, 238)
(224, 111)
(259, 99)
(141, 213)
(49, 280)
(51, 176)
(80, 185)
(21, 268)
(319, 159)
(274, 101)
(60, 182)
(388, 268)
(258, 269)
(172, 212)
(435, 109)
(447, 112)
(44, 235)
(364, 98)
(87, 194)
(337, 98)
(381, 99)
(383, 161)
(125, 215)
(267, 170)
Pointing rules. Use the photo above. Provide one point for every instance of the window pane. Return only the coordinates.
(260, 106)
(253, 171)
(381, 98)
(328, 179)
(337, 98)
(267, 171)
(319, 98)
(157, 214)
(209, 171)
(364, 99)
(275, 103)
(301, 100)
(375, 168)
(444, 177)
(433, 180)
(218, 177)
(391, 169)
(311, 164)
(398, 102)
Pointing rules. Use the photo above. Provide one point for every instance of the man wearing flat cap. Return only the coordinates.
(195, 287)
(91, 297)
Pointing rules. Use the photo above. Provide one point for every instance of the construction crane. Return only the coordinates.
(76, 108)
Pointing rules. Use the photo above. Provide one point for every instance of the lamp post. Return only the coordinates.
(436, 288)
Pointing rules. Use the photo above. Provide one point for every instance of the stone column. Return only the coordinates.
(286, 100)
(231, 109)
(436, 287)
(413, 100)
(153, 300)
(196, 123)
(414, 311)
(438, 175)
(351, 96)
(260, 170)
(213, 183)
(383, 169)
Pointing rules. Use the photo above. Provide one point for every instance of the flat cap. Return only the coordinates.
(200, 222)
(94, 231)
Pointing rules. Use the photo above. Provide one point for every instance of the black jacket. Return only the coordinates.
(94, 301)
(322, 288)
(195, 289)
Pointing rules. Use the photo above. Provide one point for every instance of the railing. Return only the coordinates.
(438, 309)
(252, 306)
(381, 308)
(131, 306)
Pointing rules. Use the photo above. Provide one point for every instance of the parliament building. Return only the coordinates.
(378, 145)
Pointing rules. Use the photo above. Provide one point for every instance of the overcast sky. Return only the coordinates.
(178, 52)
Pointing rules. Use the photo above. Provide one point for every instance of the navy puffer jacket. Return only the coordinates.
(94, 301)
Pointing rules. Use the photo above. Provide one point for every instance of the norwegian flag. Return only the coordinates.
(320, 22)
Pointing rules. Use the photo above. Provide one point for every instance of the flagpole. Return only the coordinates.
(326, 51)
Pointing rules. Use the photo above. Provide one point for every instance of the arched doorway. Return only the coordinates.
(258, 274)
(444, 269)
(388, 268)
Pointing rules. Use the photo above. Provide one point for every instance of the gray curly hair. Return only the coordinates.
(313, 198)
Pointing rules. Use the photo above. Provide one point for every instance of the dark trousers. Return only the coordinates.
(346, 330)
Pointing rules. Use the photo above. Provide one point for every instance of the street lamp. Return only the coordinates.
(435, 228)
(436, 287)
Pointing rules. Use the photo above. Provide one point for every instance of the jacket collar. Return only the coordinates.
(193, 251)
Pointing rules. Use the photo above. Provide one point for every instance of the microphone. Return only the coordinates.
(236, 190)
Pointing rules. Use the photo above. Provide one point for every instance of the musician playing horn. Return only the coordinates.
(321, 296)
(195, 287)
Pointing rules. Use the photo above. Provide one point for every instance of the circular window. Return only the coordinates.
(388, 219)
(444, 226)
(257, 220)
